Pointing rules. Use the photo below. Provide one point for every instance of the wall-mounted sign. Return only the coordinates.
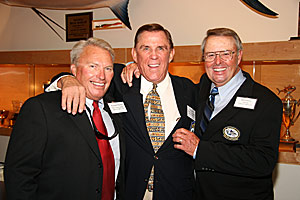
(79, 26)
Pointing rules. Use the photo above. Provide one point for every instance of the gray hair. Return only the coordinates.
(223, 32)
(79, 46)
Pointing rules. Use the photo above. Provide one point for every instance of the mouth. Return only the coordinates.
(97, 84)
(153, 65)
(219, 69)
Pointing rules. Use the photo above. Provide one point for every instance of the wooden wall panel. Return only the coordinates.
(15, 84)
(44, 73)
(35, 57)
(188, 70)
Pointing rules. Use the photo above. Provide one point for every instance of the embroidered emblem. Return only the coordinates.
(231, 133)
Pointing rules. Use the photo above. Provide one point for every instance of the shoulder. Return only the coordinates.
(118, 68)
(48, 98)
(184, 82)
(263, 93)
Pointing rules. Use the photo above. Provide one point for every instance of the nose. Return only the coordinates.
(153, 54)
(100, 73)
(218, 59)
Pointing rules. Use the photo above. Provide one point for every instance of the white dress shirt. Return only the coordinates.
(168, 101)
(226, 92)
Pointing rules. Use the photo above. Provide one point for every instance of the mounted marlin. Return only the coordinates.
(258, 6)
(118, 7)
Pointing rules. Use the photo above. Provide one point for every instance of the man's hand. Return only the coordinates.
(186, 141)
(127, 73)
(73, 94)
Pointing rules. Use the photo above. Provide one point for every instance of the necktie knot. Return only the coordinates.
(95, 105)
(213, 93)
(154, 88)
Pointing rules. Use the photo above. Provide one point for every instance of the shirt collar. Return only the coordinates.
(89, 103)
(233, 84)
(147, 86)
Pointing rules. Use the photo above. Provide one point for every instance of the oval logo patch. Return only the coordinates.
(231, 133)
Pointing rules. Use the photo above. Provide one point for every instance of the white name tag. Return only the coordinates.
(191, 113)
(244, 102)
(117, 107)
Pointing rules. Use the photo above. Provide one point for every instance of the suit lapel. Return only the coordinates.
(134, 100)
(181, 105)
(202, 95)
(83, 124)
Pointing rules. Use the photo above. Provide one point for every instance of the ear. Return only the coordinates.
(240, 56)
(172, 53)
(133, 54)
(73, 69)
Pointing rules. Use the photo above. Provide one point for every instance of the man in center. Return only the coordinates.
(157, 104)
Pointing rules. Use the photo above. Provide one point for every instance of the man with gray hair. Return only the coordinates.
(55, 155)
(235, 145)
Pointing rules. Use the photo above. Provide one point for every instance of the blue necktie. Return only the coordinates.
(208, 109)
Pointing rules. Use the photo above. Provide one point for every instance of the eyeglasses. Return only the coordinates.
(226, 55)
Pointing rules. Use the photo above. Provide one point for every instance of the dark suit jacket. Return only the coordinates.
(174, 177)
(240, 169)
(52, 154)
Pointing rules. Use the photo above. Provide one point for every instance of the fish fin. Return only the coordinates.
(256, 5)
(121, 11)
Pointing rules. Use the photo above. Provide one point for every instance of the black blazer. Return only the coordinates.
(174, 176)
(238, 169)
(52, 154)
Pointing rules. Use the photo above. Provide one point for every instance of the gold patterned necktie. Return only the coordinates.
(155, 122)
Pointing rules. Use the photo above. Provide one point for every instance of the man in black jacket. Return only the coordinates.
(237, 126)
(172, 169)
(54, 155)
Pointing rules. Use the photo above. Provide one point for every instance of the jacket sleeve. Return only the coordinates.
(53, 84)
(23, 162)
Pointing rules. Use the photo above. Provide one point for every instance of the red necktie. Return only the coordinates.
(107, 156)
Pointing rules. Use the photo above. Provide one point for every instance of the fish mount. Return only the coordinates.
(118, 7)
(260, 8)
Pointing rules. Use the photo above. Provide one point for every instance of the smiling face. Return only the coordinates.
(94, 71)
(153, 55)
(219, 71)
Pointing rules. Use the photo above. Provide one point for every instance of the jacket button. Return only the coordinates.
(97, 190)
(99, 165)
(155, 157)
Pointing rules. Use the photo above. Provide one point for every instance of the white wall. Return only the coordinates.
(3, 146)
(21, 29)
(286, 183)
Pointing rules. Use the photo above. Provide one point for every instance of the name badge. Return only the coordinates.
(117, 107)
(191, 113)
(245, 102)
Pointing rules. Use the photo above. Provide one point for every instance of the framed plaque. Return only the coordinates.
(79, 26)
